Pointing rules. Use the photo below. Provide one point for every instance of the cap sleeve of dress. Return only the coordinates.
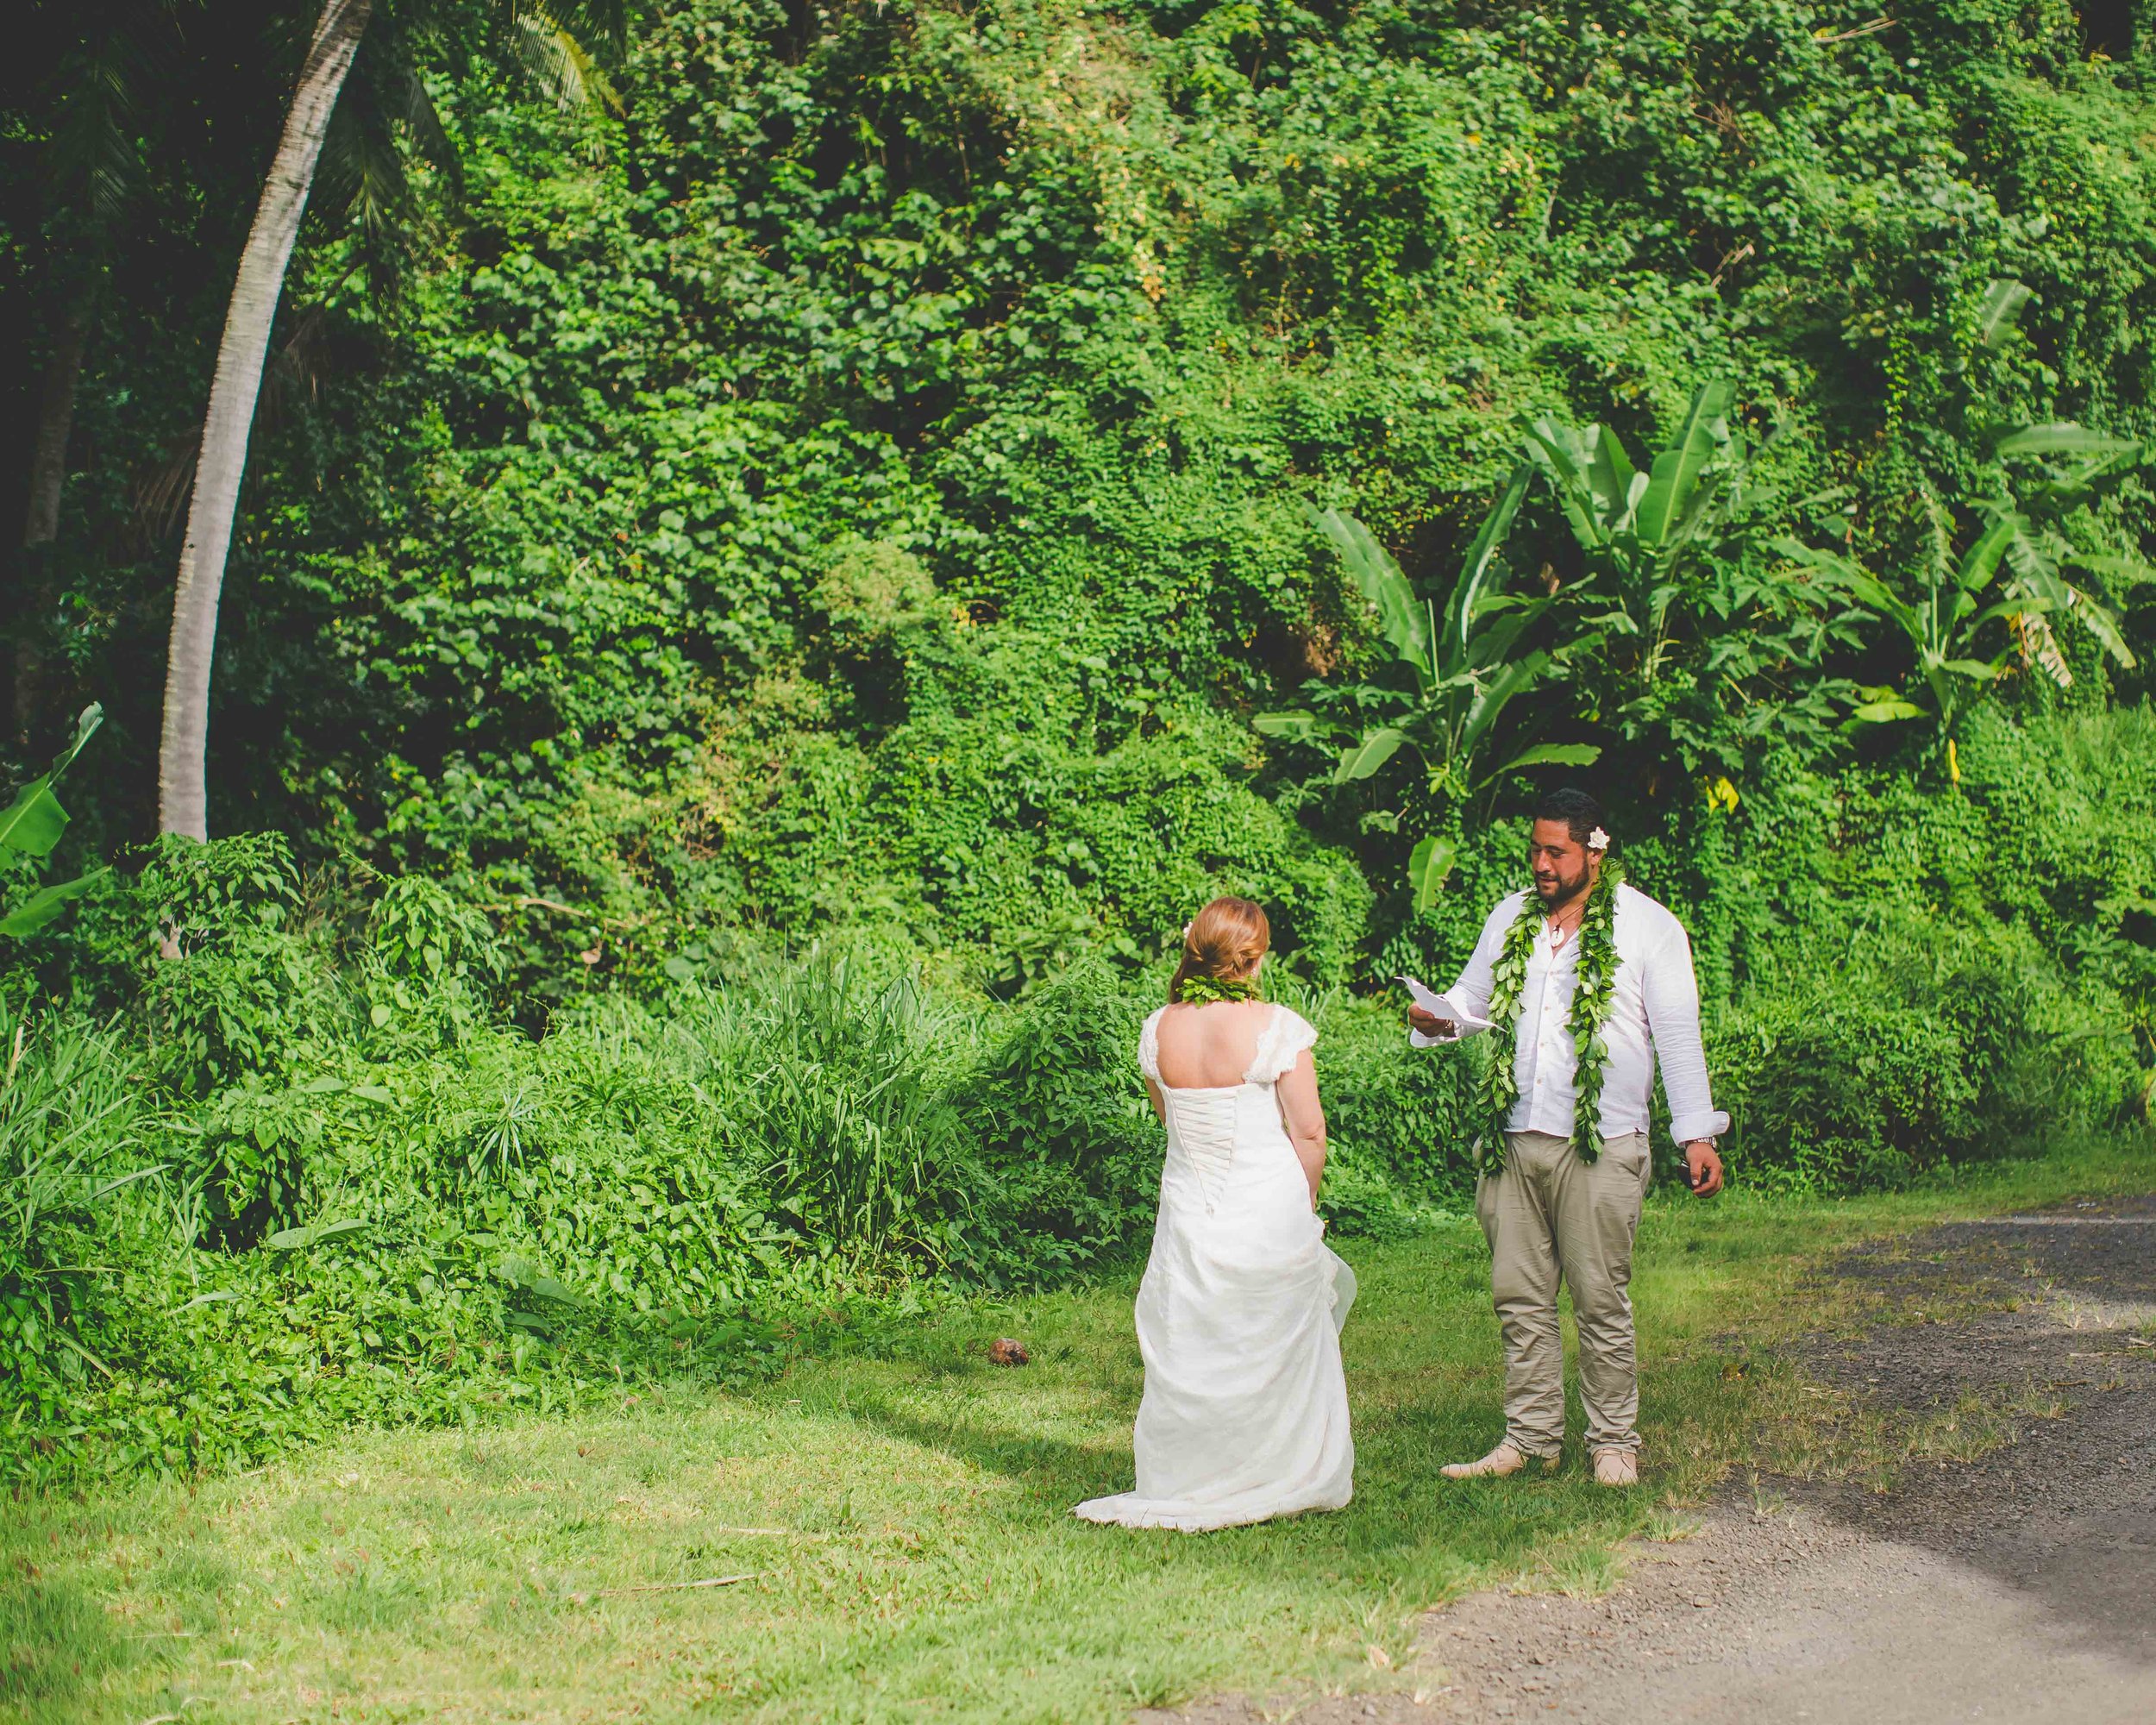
(1149, 1046)
(1280, 1046)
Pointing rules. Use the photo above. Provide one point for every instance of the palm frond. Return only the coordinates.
(560, 62)
(160, 490)
(95, 154)
(362, 171)
(412, 107)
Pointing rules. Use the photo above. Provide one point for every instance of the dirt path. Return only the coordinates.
(2020, 1587)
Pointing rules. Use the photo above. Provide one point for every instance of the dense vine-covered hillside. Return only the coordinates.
(869, 479)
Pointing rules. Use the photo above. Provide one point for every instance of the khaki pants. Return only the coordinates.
(1551, 1217)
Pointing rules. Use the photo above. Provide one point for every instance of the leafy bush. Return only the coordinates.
(229, 984)
(1070, 1152)
(1394, 1112)
(431, 964)
(1833, 1095)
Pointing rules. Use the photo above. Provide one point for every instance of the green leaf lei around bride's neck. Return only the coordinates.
(1594, 989)
(1196, 991)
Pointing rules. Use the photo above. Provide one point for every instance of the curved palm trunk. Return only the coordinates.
(182, 788)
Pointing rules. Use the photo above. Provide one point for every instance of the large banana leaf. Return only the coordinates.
(42, 906)
(1861, 583)
(1490, 700)
(1549, 755)
(34, 822)
(2036, 576)
(1616, 483)
(1493, 642)
(2007, 534)
(1677, 470)
(2035, 566)
(2062, 438)
(1468, 592)
(2000, 308)
(2093, 456)
(2128, 571)
(2021, 605)
(1404, 618)
(32, 825)
(1881, 711)
(1365, 757)
(1565, 455)
(2097, 619)
(1428, 864)
(1295, 727)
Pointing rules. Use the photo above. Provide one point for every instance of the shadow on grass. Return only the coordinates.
(1408, 1531)
(57, 1644)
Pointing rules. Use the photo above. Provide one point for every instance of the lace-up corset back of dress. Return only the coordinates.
(1208, 1125)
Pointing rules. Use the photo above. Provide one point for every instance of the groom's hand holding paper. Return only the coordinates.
(1432, 1019)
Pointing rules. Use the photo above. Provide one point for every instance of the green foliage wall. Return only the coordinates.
(1075, 308)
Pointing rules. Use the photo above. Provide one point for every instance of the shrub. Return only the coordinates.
(1393, 1112)
(1906, 1057)
(229, 986)
(1068, 1150)
(1837, 1095)
(430, 966)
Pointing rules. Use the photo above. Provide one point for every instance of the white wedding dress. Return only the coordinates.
(1245, 1412)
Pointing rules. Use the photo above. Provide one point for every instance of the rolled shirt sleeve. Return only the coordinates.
(1671, 993)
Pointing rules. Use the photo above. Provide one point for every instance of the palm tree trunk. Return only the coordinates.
(55, 423)
(48, 481)
(182, 786)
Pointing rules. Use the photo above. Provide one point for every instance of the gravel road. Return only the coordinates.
(2019, 1588)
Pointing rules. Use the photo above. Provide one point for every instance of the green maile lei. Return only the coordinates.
(1196, 991)
(1595, 990)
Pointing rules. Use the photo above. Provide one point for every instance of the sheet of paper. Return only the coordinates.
(1438, 1006)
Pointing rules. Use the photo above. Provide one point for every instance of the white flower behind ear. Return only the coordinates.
(1598, 840)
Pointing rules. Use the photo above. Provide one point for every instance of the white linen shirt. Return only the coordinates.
(1654, 1013)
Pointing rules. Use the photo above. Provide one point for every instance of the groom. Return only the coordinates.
(1582, 962)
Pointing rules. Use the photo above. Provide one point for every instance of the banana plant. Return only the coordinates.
(2021, 552)
(1463, 658)
(2078, 462)
(31, 826)
(1941, 627)
(1634, 527)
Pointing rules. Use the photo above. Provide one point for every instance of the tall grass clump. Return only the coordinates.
(70, 1146)
(834, 1086)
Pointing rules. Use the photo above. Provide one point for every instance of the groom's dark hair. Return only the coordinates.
(1579, 812)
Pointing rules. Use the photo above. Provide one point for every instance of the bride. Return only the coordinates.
(1245, 1414)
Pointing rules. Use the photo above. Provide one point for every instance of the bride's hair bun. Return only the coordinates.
(1225, 939)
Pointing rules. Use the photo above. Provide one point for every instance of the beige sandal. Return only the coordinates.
(1616, 1467)
(1506, 1459)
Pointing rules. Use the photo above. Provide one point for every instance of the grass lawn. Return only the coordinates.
(898, 1523)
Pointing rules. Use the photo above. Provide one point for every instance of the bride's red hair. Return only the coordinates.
(1225, 940)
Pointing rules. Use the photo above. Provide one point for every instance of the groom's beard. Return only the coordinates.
(1557, 892)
